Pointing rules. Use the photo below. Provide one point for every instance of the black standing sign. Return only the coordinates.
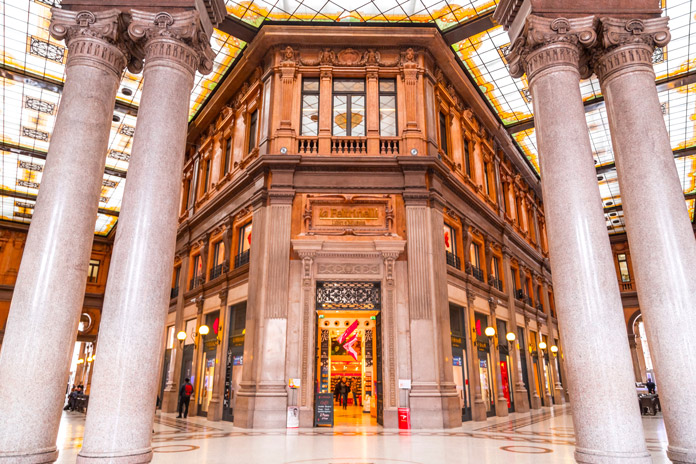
(323, 409)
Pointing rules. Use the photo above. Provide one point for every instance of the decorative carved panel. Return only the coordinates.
(349, 295)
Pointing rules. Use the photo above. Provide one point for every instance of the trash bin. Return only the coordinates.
(405, 418)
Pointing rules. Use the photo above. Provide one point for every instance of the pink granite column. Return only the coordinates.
(50, 287)
(125, 385)
(606, 418)
(657, 223)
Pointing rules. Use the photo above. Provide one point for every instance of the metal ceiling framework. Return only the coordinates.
(33, 83)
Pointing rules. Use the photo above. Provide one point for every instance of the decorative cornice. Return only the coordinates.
(92, 38)
(171, 38)
(548, 42)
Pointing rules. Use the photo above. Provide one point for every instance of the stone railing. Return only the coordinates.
(349, 145)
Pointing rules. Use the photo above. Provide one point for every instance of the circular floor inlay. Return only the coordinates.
(178, 448)
(526, 449)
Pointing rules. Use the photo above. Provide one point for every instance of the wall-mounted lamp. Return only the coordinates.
(181, 336)
(90, 359)
(554, 349)
(542, 345)
(510, 337)
(202, 330)
(490, 331)
(80, 361)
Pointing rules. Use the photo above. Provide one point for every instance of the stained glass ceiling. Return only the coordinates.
(483, 55)
(32, 74)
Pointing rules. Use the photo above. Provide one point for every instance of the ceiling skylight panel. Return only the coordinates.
(104, 224)
(686, 168)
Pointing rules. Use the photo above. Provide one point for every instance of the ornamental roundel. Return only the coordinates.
(348, 295)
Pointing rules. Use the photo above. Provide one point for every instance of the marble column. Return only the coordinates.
(607, 422)
(558, 394)
(634, 357)
(119, 423)
(50, 286)
(262, 399)
(659, 231)
(433, 397)
(535, 394)
(170, 397)
(478, 406)
(521, 397)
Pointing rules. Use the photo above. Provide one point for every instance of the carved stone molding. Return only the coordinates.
(628, 44)
(92, 38)
(551, 42)
(348, 268)
(173, 39)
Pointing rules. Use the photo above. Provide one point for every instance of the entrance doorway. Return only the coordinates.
(460, 363)
(348, 356)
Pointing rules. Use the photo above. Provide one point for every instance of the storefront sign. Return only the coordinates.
(324, 360)
(404, 384)
(482, 345)
(227, 400)
(293, 420)
(457, 361)
(293, 383)
(368, 348)
(238, 360)
(348, 215)
(323, 409)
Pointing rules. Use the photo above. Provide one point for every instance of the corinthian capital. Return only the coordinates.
(652, 32)
(176, 37)
(628, 44)
(94, 38)
(545, 42)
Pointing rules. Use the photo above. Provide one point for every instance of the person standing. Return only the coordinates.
(650, 386)
(185, 393)
(345, 389)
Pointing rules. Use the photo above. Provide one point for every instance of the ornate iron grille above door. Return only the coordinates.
(349, 295)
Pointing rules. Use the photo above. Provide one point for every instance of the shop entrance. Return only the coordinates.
(348, 356)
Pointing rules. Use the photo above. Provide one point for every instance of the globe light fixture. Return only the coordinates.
(510, 337)
(203, 330)
(554, 349)
(490, 331)
(181, 336)
(542, 345)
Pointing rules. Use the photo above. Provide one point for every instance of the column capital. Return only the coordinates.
(628, 44)
(171, 39)
(92, 38)
(547, 42)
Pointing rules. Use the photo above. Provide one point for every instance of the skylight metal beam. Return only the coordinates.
(29, 196)
(669, 83)
(470, 28)
(237, 28)
(677, 154)
(55, 86)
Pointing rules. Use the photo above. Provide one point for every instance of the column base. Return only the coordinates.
(478, 411)
(133, 457)
(306, 417)
(548, 401)
(680, 455)
(36, 457)
(434, 410)
(501, 407)
(521, 400)
(215, 410)
(536, 403)
(559, 396)
(267, 410)
(589, 456)
(170, 400)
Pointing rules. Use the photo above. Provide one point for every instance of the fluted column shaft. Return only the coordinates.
(607, 422)
(659, 231)
(50, 285)
(119, 423)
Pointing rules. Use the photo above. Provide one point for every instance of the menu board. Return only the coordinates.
(323, 409)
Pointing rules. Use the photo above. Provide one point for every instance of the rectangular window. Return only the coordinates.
(475, 255)
(197, 266)
(387, 108)
(450, 240)
(443, 133)
(207, 176)
(253, 129)
(349, 107)
(623, 268)
(486, 180)
(228, 156)
(93, 272)
(170, 337)
(310, 107)
(217, 253)
(506, 191)
(244, 238)
(194, 185)
(177, 276)
(467, 158)
(496, 268)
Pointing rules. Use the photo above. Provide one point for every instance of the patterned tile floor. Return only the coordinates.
(544, 436)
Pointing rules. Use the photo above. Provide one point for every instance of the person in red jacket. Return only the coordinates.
(185, 393)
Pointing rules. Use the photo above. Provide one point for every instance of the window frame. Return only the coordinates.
(476, 252)
(240, 239)
(304, 93)
(252, 130)
(381, 94)
(349, 110)
(444, 131)
(624, 261)
(467, 157)
(228, 156)
(92, 266)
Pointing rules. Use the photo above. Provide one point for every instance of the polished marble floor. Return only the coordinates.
(544, 436)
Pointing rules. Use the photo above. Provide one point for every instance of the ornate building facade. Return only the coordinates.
(358, 166)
